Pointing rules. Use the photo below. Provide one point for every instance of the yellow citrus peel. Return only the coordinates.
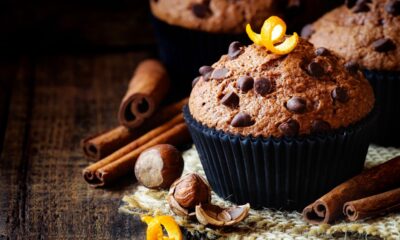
(154, 230)
(272, 32)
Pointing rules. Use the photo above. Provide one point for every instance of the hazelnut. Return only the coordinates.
(187, 192)
(159, 166)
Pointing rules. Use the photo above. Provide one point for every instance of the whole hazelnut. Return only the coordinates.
(159, 166)
(187, 192)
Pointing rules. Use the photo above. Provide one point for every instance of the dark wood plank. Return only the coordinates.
(13, 159)
(8, 69)
(4, 106)
(72, 97)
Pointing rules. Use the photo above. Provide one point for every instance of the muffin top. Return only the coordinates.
(366, 32)
(219, 16)
(254, 92)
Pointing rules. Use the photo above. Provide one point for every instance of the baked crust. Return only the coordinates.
(289, 77)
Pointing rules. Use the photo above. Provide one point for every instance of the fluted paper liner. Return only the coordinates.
(386, 85)
(280, 173)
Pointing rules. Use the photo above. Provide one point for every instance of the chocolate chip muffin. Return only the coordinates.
(191, 33)
(366, 34)
(259, 93)
(279, 130)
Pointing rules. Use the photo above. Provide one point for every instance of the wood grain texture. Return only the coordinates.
(8, 71)
(54, 102)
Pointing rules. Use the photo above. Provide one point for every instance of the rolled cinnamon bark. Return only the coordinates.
(177, 135)
(147, 88)
(101, 145)
(372, 181)
(373, 206)
(89, 172)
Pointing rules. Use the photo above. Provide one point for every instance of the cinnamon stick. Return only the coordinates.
(148, 86)
(370, 182)
(89, 172)
(101, 145)
(177, 135)
(373, 206)
(166, 133)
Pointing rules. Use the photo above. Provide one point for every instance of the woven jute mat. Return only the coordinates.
(267, 223)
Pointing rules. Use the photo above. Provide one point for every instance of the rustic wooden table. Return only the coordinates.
(47, 104)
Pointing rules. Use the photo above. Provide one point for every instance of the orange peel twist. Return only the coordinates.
(272, 32)
(154, 230)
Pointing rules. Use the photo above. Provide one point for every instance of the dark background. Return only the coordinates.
(64, 67)
(70, 26)
(102, 25)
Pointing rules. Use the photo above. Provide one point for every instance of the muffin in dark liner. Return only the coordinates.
(183, 50)
(280, 173)
(386, 85)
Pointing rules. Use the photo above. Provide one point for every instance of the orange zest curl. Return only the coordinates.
(154, 230)
(272, 32)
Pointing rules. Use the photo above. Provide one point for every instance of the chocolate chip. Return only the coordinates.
(230, 100)
(320, 126)
(315, 69)
(206, 72)
(205, 69)
(340, 94)
(307, 31)
(201, 10)
(296, 105)
(242, 120)
(393, 7)
(361, 6)
(219, 73)
(195, 81)
(289, 128)
(263, 86)
(351, 67)
(235, 49)
(321, 51)
(350, 3)
(245, 83)
(383, 45)
(207, 76)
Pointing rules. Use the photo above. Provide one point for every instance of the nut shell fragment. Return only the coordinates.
(208, 214)
(176, 208)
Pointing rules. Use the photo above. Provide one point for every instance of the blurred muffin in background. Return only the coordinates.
(366, 34)
(192, 33)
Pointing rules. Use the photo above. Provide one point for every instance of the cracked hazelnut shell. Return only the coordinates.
(208, 214)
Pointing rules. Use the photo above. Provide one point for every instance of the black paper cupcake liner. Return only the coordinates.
(183, 51)
(386, 85)
(280, 173)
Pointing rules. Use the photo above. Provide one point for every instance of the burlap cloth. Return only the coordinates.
(269, 224)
